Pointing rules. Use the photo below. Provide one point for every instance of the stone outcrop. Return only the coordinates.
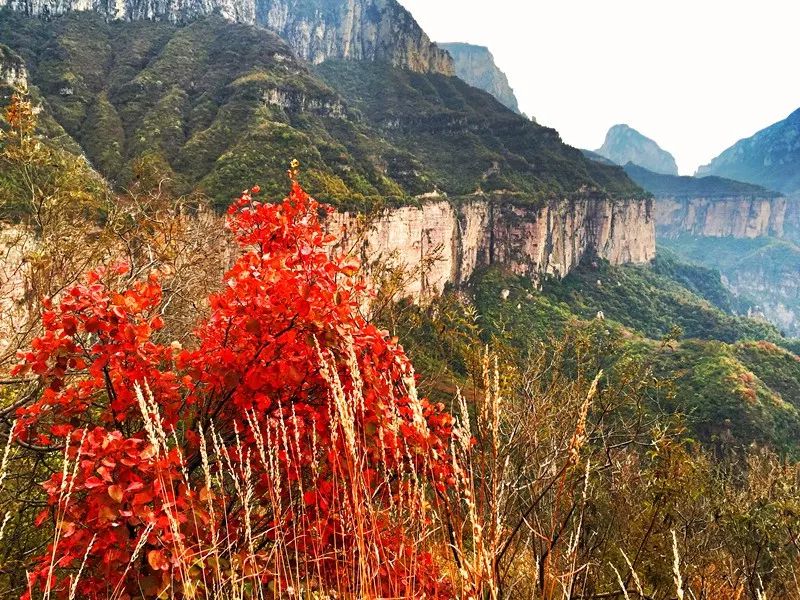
(316, 30)
(440, 242)
(739, 217)
(13, 74)
(476, 66)
(354, 29)
(624, 145)
(776, 289)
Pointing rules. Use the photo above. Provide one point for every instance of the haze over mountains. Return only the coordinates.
(623, 144)
(770, 158)
(376, 116)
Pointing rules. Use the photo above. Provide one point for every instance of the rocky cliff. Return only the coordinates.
(440, 243)
(476, 66)
(714, 206)
(354, 29)
(739, 217)
(624, 145)
(316, 29)
(13, 74)
(743, 230)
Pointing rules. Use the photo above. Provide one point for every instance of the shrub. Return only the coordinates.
(285, 450)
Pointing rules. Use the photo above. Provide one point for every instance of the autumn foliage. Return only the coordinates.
(285, 446)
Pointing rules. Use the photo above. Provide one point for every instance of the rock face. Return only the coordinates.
(12, 70)
(739, 217)
(745, 231)
(476, 66)
(625, 145)
(441, 243)
(380, 30)
(354, 29)
(714, 206)
(776, 289)
(770, 158)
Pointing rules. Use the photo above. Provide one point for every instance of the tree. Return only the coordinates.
(284, 448)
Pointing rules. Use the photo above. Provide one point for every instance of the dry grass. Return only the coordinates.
(500, 530)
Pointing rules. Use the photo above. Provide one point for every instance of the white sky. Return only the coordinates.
(694, 75)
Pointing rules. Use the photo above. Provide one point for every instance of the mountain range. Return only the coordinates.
(214, 101)
(315, 29)
(770, 158)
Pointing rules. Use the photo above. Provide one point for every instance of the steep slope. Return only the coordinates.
(466, 139)
(624, 144)
(770, 158)
(763, 269)
(734, 386)
(316, 29)
(727, 373)
(475, 65)
(213, 104)
(745, 231)
(216, 103)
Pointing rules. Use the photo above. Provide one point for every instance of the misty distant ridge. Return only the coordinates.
(770, 158)
(624, 145)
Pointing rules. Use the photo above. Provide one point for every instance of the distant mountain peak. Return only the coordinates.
(623, 145)
(475, 65)
(770, 157)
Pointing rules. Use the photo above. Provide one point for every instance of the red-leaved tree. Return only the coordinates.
(285, 452)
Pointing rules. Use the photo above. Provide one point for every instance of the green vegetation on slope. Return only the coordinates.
(464, 138)
(671, 319)
(765, 268)
(215, 103)
(655, 299)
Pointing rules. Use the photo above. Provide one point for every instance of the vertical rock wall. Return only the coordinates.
(442, 243)
(738, 217)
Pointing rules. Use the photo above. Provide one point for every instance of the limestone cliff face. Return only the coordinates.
(12, 70)
(739, 217)
(476, 66)
(315, 29)
(442, 243)
(776, 288)
(354, 29)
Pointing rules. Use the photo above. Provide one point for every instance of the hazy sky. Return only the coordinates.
(695, 75)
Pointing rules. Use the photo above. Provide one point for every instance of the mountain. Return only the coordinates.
(624, 144)
(216, 104)
(748, 233)
(476, 66)
(712, 187)
(770, 158)
(315, 29)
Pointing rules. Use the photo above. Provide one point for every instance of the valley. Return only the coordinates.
(297, 302)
